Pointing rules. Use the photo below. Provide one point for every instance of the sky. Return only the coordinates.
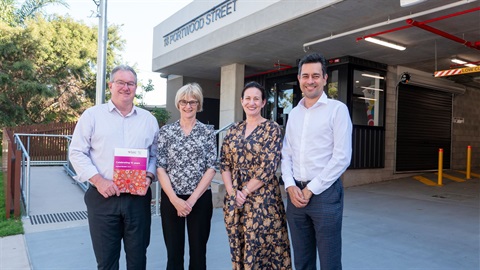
(138, 18)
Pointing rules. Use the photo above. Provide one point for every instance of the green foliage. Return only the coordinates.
(7, 11)
(7, 226)
(28, 10)
(144, 89)
(333, 90)
(47, 69)
(161, 114)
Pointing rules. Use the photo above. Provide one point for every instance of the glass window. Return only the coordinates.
(368, 98)
(285, 101)
(269, 109)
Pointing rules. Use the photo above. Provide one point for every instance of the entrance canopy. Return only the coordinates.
(264, 34)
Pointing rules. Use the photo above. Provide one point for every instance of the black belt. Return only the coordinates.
(301, 184)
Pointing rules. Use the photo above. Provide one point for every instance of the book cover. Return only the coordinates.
(130, 170)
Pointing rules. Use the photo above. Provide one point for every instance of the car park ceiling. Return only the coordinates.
(339, 30)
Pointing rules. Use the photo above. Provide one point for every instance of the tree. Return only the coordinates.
(161, 114)
(29, 9)
(47, 69)
(7, 11)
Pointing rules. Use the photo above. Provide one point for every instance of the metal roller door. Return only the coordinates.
(423, 126)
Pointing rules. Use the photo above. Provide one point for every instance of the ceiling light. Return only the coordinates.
(462, 62)
(371, 88)
(367, 98)
(385, 43)
(373, 76)
(458, 61)
(407, 3)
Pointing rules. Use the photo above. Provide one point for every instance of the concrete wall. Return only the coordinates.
(466, 106)
(232, 83)
(173, 84)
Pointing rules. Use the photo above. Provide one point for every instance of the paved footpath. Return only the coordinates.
(399, 224)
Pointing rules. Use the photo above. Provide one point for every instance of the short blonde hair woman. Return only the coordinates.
(192, 89)
(185, 167)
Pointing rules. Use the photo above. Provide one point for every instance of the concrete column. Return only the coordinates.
(231, 85)
(174, 83)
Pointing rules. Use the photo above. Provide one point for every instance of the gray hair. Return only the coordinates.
(124, 68)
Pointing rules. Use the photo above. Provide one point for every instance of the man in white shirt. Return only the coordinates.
(113, 216)
(317, 149)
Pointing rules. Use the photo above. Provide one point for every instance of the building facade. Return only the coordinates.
(402, 114)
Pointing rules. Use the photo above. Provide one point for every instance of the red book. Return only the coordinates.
(130, 170)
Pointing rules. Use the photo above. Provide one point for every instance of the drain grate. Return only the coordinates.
(58, 217)
(67, 216)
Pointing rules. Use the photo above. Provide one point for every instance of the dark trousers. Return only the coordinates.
(126, 217)
(318, 227)
(198, 228)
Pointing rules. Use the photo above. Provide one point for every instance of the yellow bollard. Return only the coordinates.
(469, 161)
(440, 166)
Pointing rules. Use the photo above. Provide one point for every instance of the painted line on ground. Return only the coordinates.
(471, 174)
(453, 178)
(425, 180)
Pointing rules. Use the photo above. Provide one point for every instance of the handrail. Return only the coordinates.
(220, 138)
(26, 164)
(224, 128)
(25, 175)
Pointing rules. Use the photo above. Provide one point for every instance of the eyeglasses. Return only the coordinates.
(122, 84)
(192, 103)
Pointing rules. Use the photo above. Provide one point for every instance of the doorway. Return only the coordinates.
(283, 94)
(423, 127)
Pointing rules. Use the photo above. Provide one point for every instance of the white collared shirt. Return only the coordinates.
(103, 128)
(318, 144)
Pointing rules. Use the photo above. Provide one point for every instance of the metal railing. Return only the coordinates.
(26, 162)
(84, 185)
(221, 134)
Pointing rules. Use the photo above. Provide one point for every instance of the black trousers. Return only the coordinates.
(198, 228)
(112, 219)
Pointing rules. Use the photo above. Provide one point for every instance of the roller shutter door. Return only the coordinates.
(423, 126)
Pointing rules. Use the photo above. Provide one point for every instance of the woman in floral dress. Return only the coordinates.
(254, 212)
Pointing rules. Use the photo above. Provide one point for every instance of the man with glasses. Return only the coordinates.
(112, 215)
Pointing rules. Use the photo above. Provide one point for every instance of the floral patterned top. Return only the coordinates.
(186, 158)
(257, 232)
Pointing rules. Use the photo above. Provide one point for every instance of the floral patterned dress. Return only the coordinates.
(257, 232)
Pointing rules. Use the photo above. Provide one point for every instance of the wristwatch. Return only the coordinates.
(246, 190)
(151, 178)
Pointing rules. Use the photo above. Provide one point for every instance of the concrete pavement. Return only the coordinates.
(399, 224)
